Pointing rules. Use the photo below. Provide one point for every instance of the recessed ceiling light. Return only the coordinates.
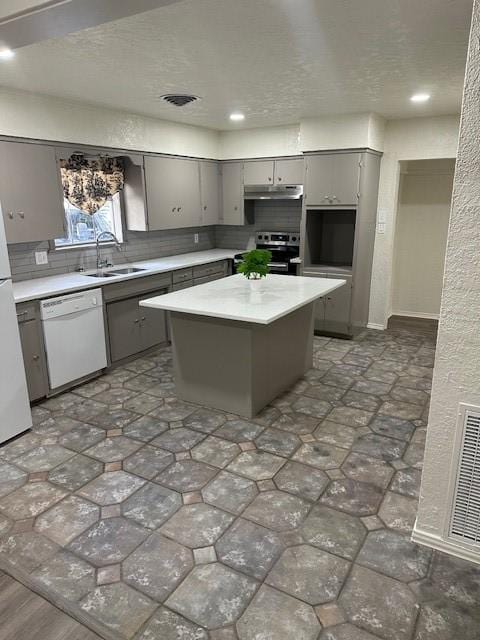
(237, 117)
(6, 54)
(420, 97)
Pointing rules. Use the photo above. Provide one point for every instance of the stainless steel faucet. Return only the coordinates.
(104, 236)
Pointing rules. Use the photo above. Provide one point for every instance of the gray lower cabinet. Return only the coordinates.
(133, 329)
(31, 193)
(33, 351)
(333, 312)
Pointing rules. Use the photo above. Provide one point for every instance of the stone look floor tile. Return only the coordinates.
(119, 607)
(157, 566)
(186, 475)
(350, 416)
(11, 477)
(67, 574)
(145, 428)
(215, 451)
(379, 447)
(298, 423)
(113, 449)
(229, 492)
(249, 548)
(330, 614)
(176, 440)
(81, 437)
(256, 465)
(27, 550)
(277, 442)
(30, 500)
(111, 488)
(151, 505)
(277, 510)
(173, 410)
(334, 531)
(407, 482)
(301, 480)
(398, 512)
(366, 469)
(167, 625)
(108, 541)
(43, 458)
(357, 498)
(309, 574)
(367, 600)
(75, 472)
(394, 555)
(197, 525)
(336, 434)
(346, 632)
(273, 615)
(312, 407)
(320, 455)
(109, 575)
(213, 595)
(148, 462)
(239, 431)
(67, 519)
(204, 555)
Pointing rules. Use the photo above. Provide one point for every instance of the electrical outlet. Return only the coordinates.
(41, 257)
(381, 227)
(195, 238)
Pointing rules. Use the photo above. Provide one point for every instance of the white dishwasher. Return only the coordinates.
(74, 333)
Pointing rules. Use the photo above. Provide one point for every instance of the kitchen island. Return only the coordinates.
(236, 344)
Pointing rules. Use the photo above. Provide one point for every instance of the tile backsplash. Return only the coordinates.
(138, 246)
(269, 215)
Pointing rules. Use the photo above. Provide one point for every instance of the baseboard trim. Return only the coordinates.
(378, 327)
(433, 541)
(415, 314)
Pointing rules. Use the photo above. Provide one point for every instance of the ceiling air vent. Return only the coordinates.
(179, 99)
(465, 516)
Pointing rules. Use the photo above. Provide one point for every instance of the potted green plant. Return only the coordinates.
(255, 265)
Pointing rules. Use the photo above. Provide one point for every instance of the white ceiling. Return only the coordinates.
(278, 61)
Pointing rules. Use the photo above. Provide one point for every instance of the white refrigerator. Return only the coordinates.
(15, 415)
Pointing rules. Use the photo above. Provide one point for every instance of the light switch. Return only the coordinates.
(381, 227)
(195, 238)
(41, 257)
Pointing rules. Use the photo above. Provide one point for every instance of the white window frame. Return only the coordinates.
(118, 225)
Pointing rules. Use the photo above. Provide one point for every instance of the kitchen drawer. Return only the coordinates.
(182, 275)
(127, 288)
(27, 311)
(211, 278)
(182, 285)
(209, 269)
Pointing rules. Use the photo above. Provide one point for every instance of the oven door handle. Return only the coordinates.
(283, 266)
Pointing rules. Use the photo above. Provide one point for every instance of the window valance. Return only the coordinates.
(89, 182)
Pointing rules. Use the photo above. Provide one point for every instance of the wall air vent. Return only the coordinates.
(465, 515)
(179, 99)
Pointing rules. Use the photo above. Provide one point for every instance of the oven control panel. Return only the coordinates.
(291, 239)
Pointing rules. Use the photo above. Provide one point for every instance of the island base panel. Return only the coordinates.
(239, 367)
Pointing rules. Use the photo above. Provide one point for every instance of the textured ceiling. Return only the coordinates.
(278, 61)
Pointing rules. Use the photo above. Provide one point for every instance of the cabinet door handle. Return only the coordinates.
(173, 209)
(269, 178)
(10, 215)
(179, 208)
(143, 318)
(136, 321)
(327, 198)
(36, 358)
(334, 198)
(279, 179)
(21, 214)
(235, 208)
(205, 208)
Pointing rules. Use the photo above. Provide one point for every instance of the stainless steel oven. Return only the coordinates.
(284, 246)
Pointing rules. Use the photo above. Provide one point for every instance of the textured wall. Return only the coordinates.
(342, 132)
(412, 139)
(421, 237)
(457, 366)
(258, 143)
(35, 116)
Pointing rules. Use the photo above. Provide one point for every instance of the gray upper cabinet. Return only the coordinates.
(289, 171)
(30, 192)
(210, 192)
(232, 194)
(173, 193)
(258, 172)
(332, 179)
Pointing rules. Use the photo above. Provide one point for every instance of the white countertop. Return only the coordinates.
(234, 298)
(39, 288)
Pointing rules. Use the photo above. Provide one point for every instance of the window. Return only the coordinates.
(82, 228)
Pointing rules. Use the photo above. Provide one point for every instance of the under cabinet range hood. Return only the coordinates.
(273, 192)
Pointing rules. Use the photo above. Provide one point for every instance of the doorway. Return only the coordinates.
(425, 194)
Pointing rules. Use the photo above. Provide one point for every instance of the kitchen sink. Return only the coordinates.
(105, 274)
(126, 270)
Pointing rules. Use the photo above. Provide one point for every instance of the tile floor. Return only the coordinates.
(156, 519)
